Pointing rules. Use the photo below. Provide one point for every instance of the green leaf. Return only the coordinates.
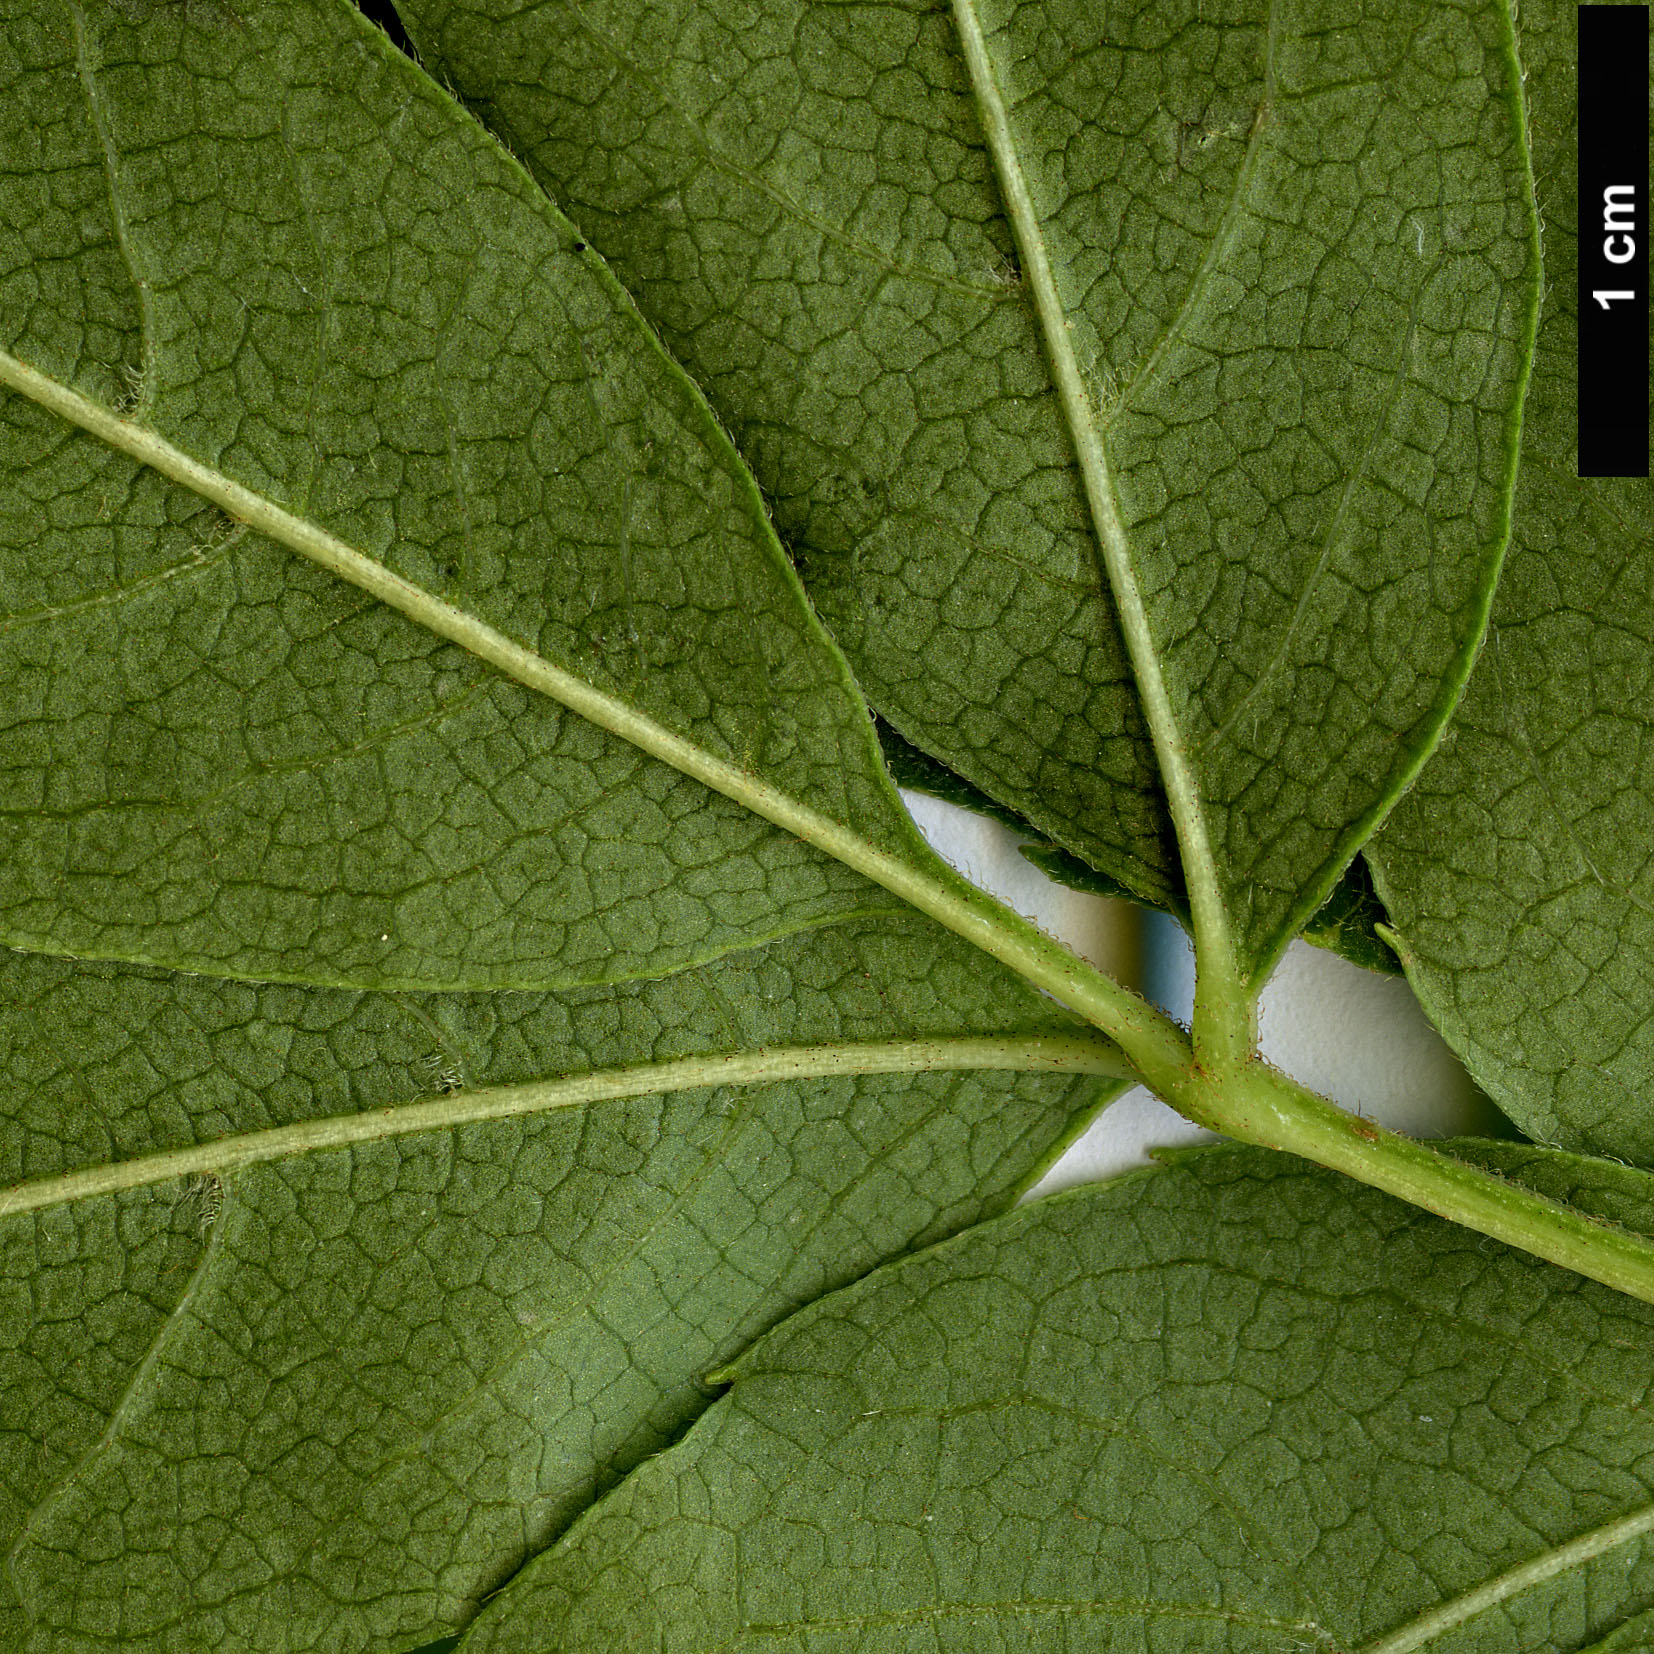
(799, 199)
(916, 770)
(1347, 923)
(1517, 870)
(1351, 922)
(1636, 1636)
(1226, 1405)
(255, 266)
(473, 987)
(291, 1361)
(1264, 356)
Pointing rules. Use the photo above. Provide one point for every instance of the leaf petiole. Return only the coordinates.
(1261, 1105)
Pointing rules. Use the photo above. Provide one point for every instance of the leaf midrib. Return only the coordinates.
(765, 1065)
(909, 871)
(922, 881)
(1219, 994)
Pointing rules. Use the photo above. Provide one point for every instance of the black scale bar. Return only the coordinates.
(1613, 241)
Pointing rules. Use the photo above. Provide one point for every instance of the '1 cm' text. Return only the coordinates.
(1619, 220)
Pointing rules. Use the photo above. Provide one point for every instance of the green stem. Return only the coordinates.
(1262, 1105)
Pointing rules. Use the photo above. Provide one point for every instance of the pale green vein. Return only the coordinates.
(1536, 1571)
(1222, 240)
(131, 1400)
(203, 557)
(1355, 480)
(1222, 1014)
(1044, 1054)
(1155, 1043)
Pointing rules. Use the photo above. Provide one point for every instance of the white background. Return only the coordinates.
(1357, 1037)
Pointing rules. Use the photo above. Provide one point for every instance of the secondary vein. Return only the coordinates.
(1050, 1054)
(1536, 1571)
(1122, 1607)
(144, 389)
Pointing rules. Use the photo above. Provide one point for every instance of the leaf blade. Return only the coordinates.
(660, 532)
(1514, 870)
(1212, 1452)
(368, 377)
(534, 1299)
(1325, 652)
(1216, 142)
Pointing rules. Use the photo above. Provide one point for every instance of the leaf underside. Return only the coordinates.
(284, 252)
(333, 1400)
(1230, 1404)
(280, 855)
(1297, 271)
(1518, 870)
